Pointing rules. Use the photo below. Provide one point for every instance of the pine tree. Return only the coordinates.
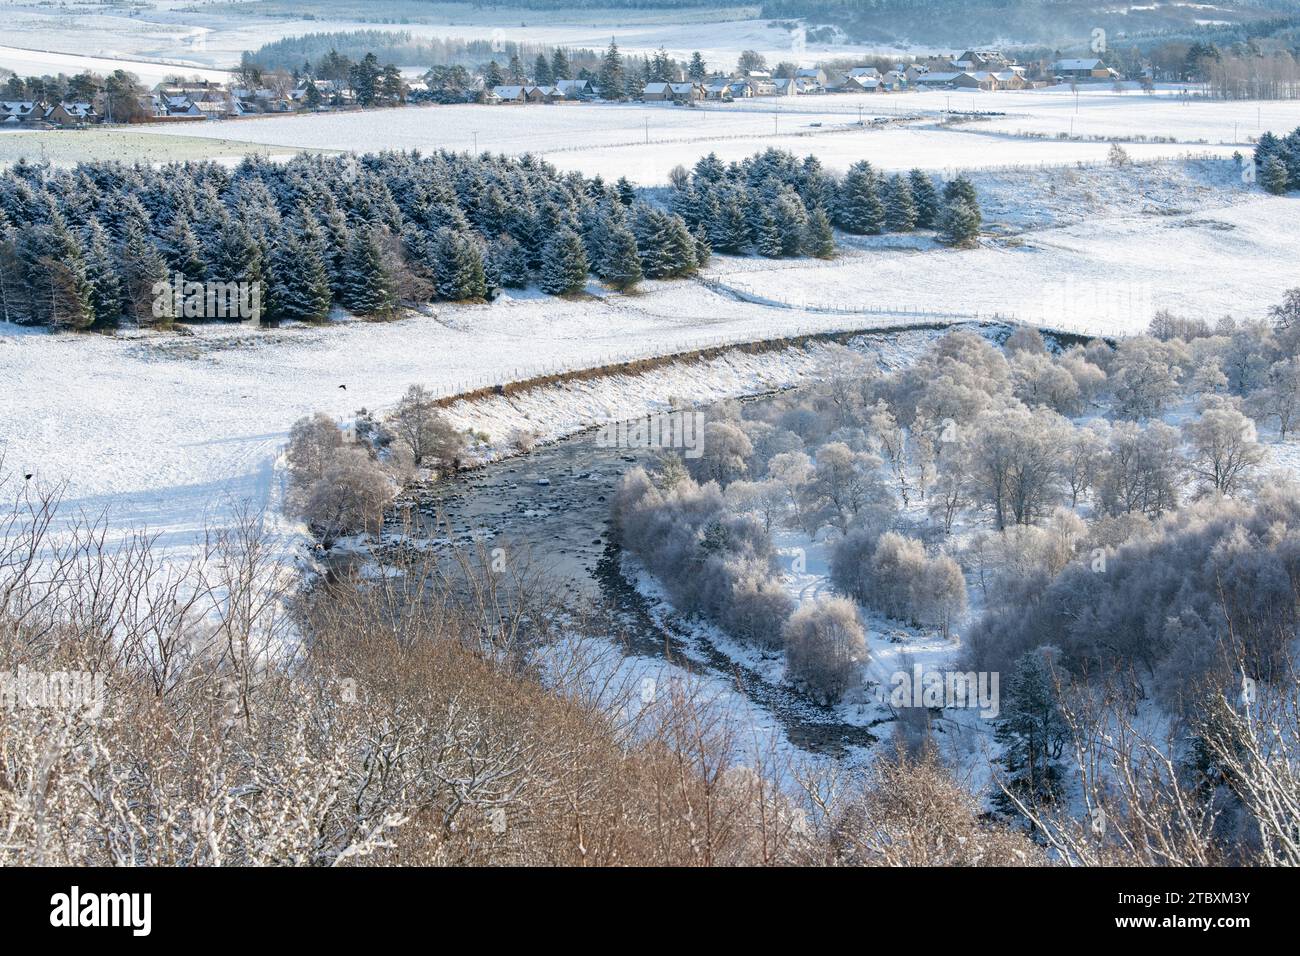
(697, 70)
(298, 289)
(458, 268)
(819, 238)
(767, 237)
(859, 209)
(492, 77)
(1267, 147)
(338, 239)
(961, 223)
(900, 210)
(666, 245)
(703, 245)
(626, 191)
(542, 70)
(791, 218)
(236, 256)
(102, 272)
(1274, 177)
(1033, 733)
(925, 198)
(516, 69)
(510, 263)
(560, 69)
(368, 286)
(184, 252)
(364, 79)
(144, 277)
(67, 292)
(611, 78)
(661, 68)
(731, 233)
(621, 266)
(961, 188)
(564, 264)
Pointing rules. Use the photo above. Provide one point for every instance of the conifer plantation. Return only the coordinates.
(86, 248)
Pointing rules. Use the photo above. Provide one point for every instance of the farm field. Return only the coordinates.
(69, 147)
(644, 142)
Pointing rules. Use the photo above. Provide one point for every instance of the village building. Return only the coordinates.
(71, 114)
(1084, 69)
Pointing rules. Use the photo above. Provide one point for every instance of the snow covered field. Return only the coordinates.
(1104, 275)
(644, 142)
(39, 62)
(69, 147)
(175, 432)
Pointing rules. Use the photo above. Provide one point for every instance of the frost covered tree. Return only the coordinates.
(1224, 448)
(299, 288)
(1145, 376)
(368, 286)
(1279, 399)
(819, 237)
(620, 264)
(900, 207)
(1014, 460)
(925, 198)
(349, 498)
(960, 224)
(459, 272)
(858, 209)
(725, 450)
(1033, 734)
(418, 424)
(564, 264)
(1143, 469)
(846, 488)
(826, 648)
(314, 443)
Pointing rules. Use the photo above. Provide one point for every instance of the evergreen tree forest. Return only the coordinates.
(87, 247)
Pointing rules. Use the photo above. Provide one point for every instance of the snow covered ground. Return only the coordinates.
(39, 62)
(127, 145)
(645, 141)
(174, 431)
(1100, 275)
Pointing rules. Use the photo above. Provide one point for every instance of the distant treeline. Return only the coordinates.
(963, 23)
(400, 47)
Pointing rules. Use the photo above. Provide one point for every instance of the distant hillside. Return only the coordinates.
(1053, 22)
